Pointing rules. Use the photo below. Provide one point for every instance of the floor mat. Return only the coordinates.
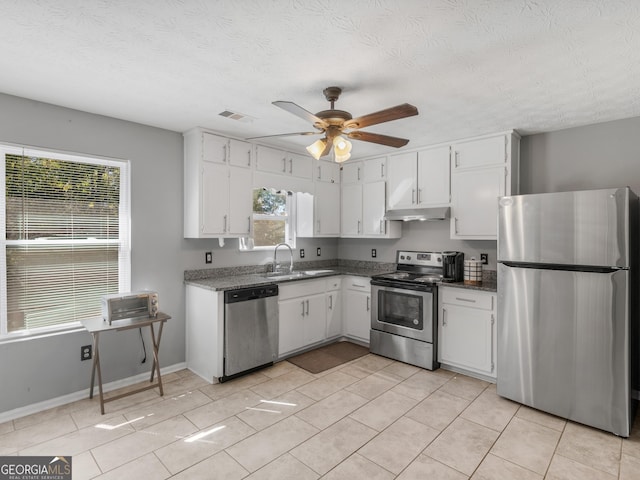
(329, 356)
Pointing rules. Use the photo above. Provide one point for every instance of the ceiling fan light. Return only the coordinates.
(316, 148)
(341, 149)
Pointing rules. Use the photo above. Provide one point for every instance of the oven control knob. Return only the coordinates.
(401, 257)
(415, 321)
(408, 257)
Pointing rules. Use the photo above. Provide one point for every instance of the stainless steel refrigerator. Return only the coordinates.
(567, 304)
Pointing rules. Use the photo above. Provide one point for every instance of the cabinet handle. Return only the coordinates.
(368, 302)
(224, 153)
(357, 285)
(413, 195)
(466, 300)
(330, 302)
(358, 173)
(302, 302)
(249, 158)
(456, 156)
(319, 173)
(493, 366)
(455, 224)
(224, 229)
(382, 170)
(358, 226)
(284, 165)
(291, 165)
(419, 195)
(444, 318)
(307, 307)
(248, 224)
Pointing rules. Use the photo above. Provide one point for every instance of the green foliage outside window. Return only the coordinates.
(270, 217)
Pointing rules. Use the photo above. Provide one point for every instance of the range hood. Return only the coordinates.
(421, 214)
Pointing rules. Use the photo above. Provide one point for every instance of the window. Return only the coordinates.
(272, 220)
(64, 237)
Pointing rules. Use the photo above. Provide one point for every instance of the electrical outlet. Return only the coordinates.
(484, 258)
(86, 352)
(302, 253)
(208, 257)
(374, 254)
(318, 252)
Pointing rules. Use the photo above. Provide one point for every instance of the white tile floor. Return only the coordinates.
(371, 419)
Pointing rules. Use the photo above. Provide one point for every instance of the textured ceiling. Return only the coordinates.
(471, 67)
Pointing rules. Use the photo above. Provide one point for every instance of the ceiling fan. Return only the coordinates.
(335, 124)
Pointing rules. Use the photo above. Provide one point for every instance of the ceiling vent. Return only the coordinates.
(241, 117)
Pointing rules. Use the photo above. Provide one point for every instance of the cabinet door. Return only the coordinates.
(214, 207)
(334, 314)
(271, 160)
(467, 338)
(351, 210)
(475, 202)
(352, 172)
(327, 171)
(299, 165)
(240, 201)
(315, 322)
(291, 326)
(327, 209)
(433, 177)
(240, 153)
(214, 148)
(480, 153)
(357, 314)
(373, 208)
(401, 181)
(375, 169)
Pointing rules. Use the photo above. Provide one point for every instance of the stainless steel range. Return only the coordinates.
(404, 306)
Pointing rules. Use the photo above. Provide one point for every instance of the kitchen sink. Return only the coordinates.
(316, 272)
(294, 275)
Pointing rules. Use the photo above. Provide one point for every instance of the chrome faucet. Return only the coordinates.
(275, 253)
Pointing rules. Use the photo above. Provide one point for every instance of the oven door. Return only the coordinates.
(403, 311)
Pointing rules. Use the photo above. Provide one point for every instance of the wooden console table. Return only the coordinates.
(96, 326)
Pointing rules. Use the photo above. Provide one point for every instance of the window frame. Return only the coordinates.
(245, 244)
(124, 240)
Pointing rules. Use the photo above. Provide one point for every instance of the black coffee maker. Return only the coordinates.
(452, 266)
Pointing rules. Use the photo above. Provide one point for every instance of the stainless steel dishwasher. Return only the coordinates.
(250, 330)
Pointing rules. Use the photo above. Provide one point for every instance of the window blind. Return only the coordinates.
(66, 238)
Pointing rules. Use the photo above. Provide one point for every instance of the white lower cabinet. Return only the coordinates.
(309, 313)
(356, 312)
(467, 330)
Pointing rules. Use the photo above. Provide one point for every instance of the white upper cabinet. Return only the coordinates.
(351, 210)
(327, 171)
(272, 160)
(419, 179)
(373, 200)
(240, 153)
(217, 194)
(327, 209)
(375, 169)
(482, 170)
(352, 172)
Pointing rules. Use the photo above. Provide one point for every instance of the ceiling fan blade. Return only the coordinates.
(285, 135)
(377, 138)
(300, 112)
(387, 115)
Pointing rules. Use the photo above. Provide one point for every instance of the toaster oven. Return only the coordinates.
(120, 306)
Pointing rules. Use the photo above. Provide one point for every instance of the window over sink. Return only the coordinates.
(273, 220)
(64, 235)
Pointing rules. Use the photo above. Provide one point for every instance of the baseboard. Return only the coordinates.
(75, 396)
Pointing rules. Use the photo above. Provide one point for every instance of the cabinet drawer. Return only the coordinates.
(467, 298)
(358, 283)
(334, 283)
(301, 288)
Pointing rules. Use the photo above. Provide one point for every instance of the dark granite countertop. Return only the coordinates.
(229, 278)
